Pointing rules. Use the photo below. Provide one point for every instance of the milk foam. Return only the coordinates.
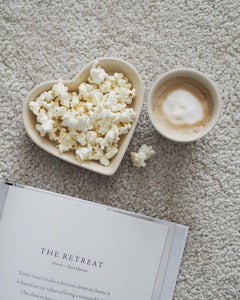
(181, 107)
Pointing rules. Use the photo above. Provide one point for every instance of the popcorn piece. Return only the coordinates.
(96, 97)
(105, 87)
(128, 115)
(40, 130)
(61, 110)
(91, 137)
(97, 75)
(52, 109)
(103, 125)
(65, 101)
(126, 94)
(125, 128)
(115, 77)
(84, 91)
(113, 134)
(111, 152)
(84, 153)
(91, 121)
(40, 100)
(47, 126)
(144, 153)
(60, 90)
(104, 161)
(34, 107)
(42, 116)
(82, 123)
(81, 139)
(112, 102)
(74, 101)
(102, 143)
(47, 96)
(65, 144)
(70, 121)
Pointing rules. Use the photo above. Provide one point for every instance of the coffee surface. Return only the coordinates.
(182, 106)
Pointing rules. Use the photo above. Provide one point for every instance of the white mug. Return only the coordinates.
(194, 76)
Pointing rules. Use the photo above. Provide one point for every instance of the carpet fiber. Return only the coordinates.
(196, 184)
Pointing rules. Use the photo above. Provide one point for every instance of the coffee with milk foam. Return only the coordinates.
(183, 107)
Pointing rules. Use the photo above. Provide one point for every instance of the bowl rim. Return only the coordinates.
(188, 72)
(94, 166)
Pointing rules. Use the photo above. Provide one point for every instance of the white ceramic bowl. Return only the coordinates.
(110, 65)
(200, 78)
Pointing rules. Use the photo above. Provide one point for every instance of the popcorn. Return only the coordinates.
(113, 134)
(84, 153)
(105, 87)
(48, 96)
(65, 101)
(34, 107)
(102, 143)
(82, 123)
(52, 109)
(111, 152)
(42, 116)
(97, 75)
(144, 153)
(96, 97)
(65, 144)
(47, 126)
(61, 110)
(91, 137)
(40, 99)
(60, 90)
(126, 94)
(79, 122)
(112, 102)
(84, 91)
(90, 121)
(74, 101)
(104, 161)
(81, 139)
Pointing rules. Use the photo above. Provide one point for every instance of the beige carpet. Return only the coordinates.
(195, 184)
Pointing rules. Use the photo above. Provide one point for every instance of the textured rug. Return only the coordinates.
(196, 184)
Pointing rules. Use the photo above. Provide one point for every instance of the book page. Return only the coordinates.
(54, 248)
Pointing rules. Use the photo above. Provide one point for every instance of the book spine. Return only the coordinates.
(4, 187)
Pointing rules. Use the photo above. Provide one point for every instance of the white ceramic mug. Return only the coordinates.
(202, 80)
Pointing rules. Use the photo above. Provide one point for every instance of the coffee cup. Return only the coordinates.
(184, 105)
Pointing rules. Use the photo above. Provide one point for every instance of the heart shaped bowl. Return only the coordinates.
(110, 65)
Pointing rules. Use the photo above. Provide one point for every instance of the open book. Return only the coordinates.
(55, 247)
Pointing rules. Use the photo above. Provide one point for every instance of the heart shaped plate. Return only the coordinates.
(110, 65)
